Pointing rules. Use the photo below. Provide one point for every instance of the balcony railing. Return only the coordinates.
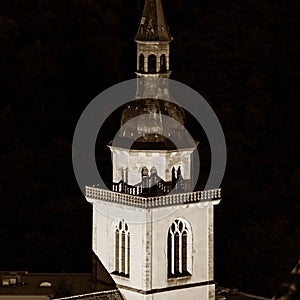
(93, 193)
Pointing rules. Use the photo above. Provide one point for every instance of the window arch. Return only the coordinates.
(153, 171)
(163, 63)
(153, 180)
(177, 171)
(145, 179)
(178, 179)
(179, 249)
(144, 171)
(152, 63)
(141, 62)
(122, 249)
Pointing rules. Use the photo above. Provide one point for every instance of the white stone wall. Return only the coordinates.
(163, 161)
(199, 219)
(104, 247)
(192, 293)
(148, 248)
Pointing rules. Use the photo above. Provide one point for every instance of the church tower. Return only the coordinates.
(152, 232)
(153, 39)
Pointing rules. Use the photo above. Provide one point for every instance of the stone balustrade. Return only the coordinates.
(94, 193)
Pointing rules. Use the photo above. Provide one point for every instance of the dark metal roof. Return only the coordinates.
(107, 295)
(153, 25)
(153, 124)
(29, 283)
(149, 142)
(153, 108)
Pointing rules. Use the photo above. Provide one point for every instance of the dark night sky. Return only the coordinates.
(56, 56)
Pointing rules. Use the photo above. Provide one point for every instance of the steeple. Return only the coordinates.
(153, 26)
(153, 39)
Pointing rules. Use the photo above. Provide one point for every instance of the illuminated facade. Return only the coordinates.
(151, 231)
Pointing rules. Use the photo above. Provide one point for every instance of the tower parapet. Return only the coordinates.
(94, 194)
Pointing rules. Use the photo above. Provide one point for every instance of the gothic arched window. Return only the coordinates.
(141, 62)
(152, 63)
(122, 249)
(179, 249)
(163, 63)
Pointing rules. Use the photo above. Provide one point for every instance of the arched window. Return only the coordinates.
(153, 171)
(144, 171)
(178, 179)
(174, 178)
(163, 63)
(151, 63)
(141, 63)
(145, 180)
(122, 249)
(153, 180)
(179, 249)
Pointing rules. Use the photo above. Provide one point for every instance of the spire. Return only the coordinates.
(153, 25)
(153, 69)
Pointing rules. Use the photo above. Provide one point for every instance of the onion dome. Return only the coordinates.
(153, 124)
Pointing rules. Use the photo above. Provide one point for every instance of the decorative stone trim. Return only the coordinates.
(93, 193)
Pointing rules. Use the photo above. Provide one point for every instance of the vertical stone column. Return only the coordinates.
(147, 259)
(212, 292)
(210, 241)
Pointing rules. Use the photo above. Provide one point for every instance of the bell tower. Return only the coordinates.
(153, 39)
(153, 50)
(152, 231)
